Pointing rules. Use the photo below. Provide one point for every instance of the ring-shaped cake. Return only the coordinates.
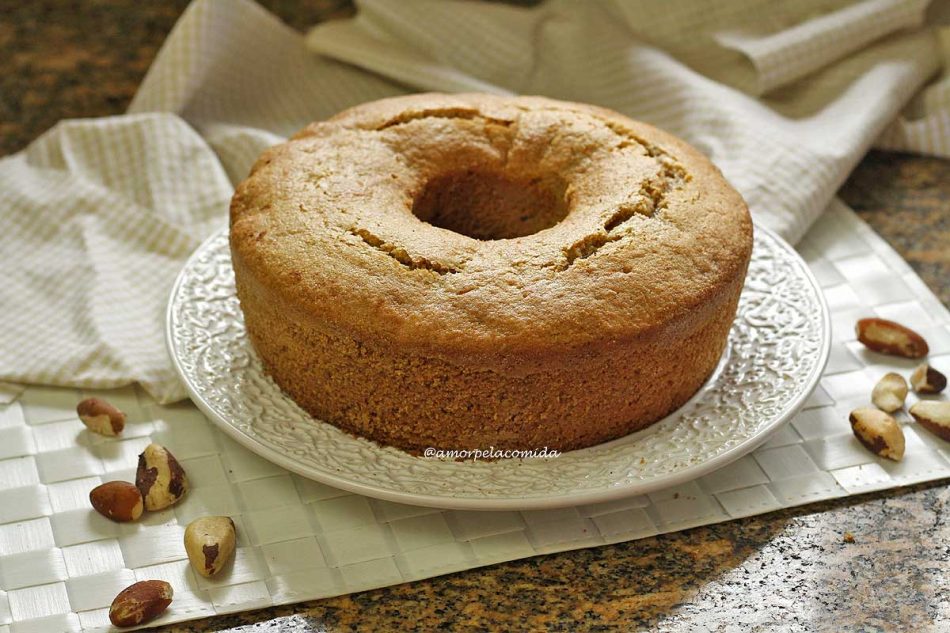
(472, 271)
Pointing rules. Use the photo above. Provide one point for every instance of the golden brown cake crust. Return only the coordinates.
(583, 287)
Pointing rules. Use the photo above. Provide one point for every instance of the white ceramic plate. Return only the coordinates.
(777, 350)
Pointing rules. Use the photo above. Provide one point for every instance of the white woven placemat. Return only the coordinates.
(61, 563)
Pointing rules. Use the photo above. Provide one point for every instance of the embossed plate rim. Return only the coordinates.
(487, 501)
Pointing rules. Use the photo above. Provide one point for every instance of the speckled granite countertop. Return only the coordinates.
(788, 569)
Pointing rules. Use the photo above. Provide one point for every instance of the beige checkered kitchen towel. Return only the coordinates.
(99, 215)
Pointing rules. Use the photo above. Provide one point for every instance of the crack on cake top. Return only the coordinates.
(401, 255)
(442, 113)
(648, 202)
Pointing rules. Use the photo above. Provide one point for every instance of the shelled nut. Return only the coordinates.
(890, 392)
(117, 500)
(160, 478)
(100, 416)
(933, 415)
(888, 337)
(926, 379)
(210, 542)
(879, 432)
(140, 603)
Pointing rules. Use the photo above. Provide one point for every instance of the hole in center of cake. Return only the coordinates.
(491, 206)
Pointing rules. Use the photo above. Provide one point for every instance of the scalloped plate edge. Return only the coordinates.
(587, 497)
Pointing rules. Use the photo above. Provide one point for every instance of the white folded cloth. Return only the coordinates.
(99, 215)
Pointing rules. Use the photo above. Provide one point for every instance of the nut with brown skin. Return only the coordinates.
(933, 415)
(890, 392)
(140, 603)
(210, 542)
(926, 379)
(879, 432)
(100, 416)
(160, 478)
(117, 500)
(888, 337)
